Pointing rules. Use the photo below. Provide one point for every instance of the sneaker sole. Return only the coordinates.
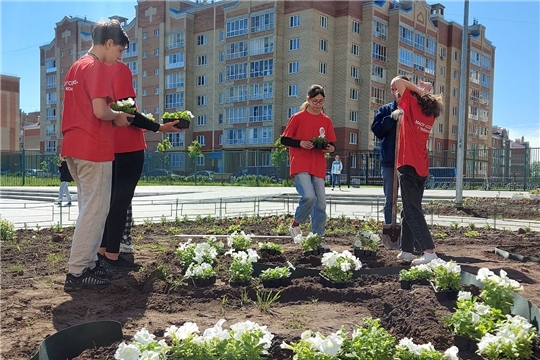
(79, 287)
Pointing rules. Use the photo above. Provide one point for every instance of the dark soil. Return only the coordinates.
(35, 306)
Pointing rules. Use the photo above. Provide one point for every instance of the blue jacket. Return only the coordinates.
(384, 128)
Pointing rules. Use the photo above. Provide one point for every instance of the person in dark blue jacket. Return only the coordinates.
(384, 128)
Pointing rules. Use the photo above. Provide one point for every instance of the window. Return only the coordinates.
(442, 71)
(201, 139)
(324, 22)
(454, 111)
(431, 46)
(405, 57)
(236, 50)
(156, 110)
(261, 68)
(50, 145)
(377, 95)
(201, 100)
(441, 89)
(484, 97)
(175, 80)
(174, 100)
(263, 90)
(406, 35)
(221, 98)
(156, 32)
(262, 22)
(379, 52)
(236, 115)
(50, 65)
(439, 146)
(131, 50)
(473, 112)
(135, 85)
(51, 98)
(175, 41)
(235, 137)
(456, 74)
(378, 73)
(201, 120)
(353, 116)
(260, 135)
(237, 27)
(353, 94)
(51, 81)
(145, 35)
(294, 21)
(293, 67)
(175, 61)
(485, 80)
(453, 148)
(322, 68)
(220, 119)
(144, 93)
(323, 45)
(220, 137)
(442, 53)
(236, 93)
(440, 128)
(355, 27)
(475, 58)
(156, 91)
(156, 52)
(144, 55)
(260, 113)
(201, 60)
(201, 161)
(237, 71)
(221, 77)
(355, 49)
(293, 90)
(486, 62)
(456, 55)
(474, 94)
(379, 29)
(474, 76)
(51, 114)
(294, 44)
(419, 62)
(50, 130)
(355, 72)
(454, 129)
(455, 92)
(201, 80)
(176, 139)
(144, 73)
(262, 45)
(430, 66)
(201, 40)
(419, 41)
(291, 111)
(353, 138)
(222, 36)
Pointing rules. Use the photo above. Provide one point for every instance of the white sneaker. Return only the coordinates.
(295, 231)
(405, 256)
(424, 259)
(126, 249)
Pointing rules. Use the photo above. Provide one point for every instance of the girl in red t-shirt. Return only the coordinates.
(417, 112)
(307, 164)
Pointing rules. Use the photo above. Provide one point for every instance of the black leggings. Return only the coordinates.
(127, 169)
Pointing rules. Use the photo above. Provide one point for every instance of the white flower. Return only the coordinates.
(204, 250)
(464, 295)
(357, 243)
(475, 318)
(481, 309)
(252, 255)
(190, 114)
(182, 332)
(128, 101)
(451, 353)
(184, 246)
(144, 337)
(150, 355)
(127, 352)
(486, 341)
(484, 274)
(216, 332)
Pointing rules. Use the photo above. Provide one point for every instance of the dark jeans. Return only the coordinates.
(127, 169)
(413, 222)
(388, 189)
(336, 180)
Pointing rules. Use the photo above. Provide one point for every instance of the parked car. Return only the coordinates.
(269, 171)
(162, 172)
(37, 173)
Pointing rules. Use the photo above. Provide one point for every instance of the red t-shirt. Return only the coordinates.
(85, 136)
(305, 126)
(413, 135)
(130, 138)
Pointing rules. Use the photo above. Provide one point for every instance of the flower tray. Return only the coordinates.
(360, 253)
(465, 343)
(316, 252)
(271, 252)
(182, 124)
(275, 283)
(239, 283)
(203, 282)
(332, 284)
(319, 146)
(445, 295)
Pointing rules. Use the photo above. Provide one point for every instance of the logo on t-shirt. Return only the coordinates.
(422, 126)
(68, 84)
(321, 132)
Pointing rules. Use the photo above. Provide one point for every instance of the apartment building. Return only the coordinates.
(9, 112)
(243, 68)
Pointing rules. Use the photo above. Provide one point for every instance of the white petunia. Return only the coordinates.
(464, 295)
(144, 337)
(452, 353)
(127, 352)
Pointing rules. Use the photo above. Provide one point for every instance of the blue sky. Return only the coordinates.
(512, 26)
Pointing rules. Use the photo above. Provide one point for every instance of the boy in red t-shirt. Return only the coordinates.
(87, 124)
(307, 164)
(417, 112)
(129, 145)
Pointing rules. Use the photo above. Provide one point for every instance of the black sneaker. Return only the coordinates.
(101, 271)
(121, 263)
(86, 280)
(68, 204)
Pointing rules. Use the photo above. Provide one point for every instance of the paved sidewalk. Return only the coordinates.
(152, 203)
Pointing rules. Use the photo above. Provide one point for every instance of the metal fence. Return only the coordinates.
(493, 169)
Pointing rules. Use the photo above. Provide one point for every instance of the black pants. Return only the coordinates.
(413, 223)
(127, 169)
